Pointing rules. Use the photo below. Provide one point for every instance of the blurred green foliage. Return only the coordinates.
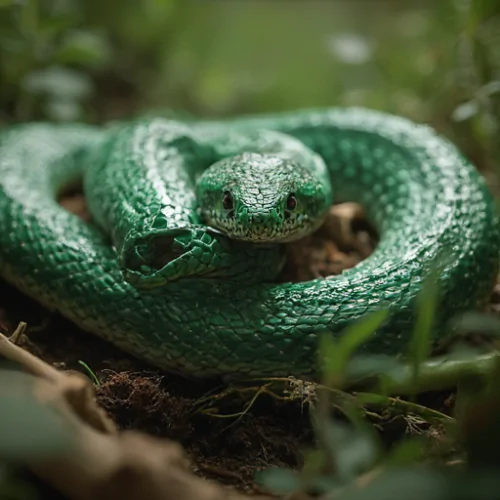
(437, 62)
(350, 461)
(29, 430)
(433, 61)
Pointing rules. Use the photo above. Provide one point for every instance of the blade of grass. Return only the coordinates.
(335, 354)
(420, 343)
(90, 372)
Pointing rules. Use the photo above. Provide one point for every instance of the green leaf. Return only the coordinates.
(54, 27)
(327, 355)
(314, 461)
(63, 110)
(427, 302)
(366, 366)
(474, 322)
(60, 83)
(358, 333)
(279, 480)
(325, 484)
(84, 48)
(336, 353)
(27, 428)
(407, 483)
(371, 398)
(354, 451)
(465, 111)
(90, 372)
(489, 89)
(406, 452)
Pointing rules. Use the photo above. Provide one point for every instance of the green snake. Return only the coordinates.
(179, 263)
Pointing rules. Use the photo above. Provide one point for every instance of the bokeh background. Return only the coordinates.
(434, 61)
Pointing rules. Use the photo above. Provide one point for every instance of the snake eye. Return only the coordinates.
(291, 202)
(227, 200)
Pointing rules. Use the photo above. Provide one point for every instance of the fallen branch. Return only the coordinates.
(104, 463)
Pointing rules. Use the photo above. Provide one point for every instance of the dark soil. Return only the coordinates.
(263, 433)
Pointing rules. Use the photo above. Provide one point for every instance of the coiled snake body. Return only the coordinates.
(178, 265)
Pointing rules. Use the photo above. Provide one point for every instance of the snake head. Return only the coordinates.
(263, 198)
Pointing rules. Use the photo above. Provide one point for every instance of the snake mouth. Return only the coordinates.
(163, 256)
(162, 250)
(150, 261)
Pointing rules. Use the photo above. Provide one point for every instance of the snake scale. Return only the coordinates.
(178, 264)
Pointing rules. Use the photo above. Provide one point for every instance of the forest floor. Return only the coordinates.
(228, 433)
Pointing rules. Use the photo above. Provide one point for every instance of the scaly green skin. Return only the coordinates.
(424, 198)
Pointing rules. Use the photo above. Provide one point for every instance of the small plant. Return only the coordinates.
(90, 372)
(349, 460)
